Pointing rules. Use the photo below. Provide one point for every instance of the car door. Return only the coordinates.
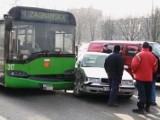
(130, 52)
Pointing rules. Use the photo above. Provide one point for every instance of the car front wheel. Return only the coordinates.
(77, 86)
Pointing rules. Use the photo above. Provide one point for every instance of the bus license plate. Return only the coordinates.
(47, 87)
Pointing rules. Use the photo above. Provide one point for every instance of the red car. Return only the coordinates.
(128, 49)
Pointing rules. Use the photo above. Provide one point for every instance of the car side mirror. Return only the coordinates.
(126, 67)
(79, 64)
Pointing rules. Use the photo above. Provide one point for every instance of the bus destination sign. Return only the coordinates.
(44, 16)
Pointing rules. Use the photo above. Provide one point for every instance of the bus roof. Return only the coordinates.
(42, 15)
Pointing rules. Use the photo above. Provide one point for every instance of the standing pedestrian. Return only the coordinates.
(114, 67)
(106, 49)
(143, 65)
(155, 77)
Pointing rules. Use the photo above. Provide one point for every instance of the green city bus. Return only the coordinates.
(37, 48)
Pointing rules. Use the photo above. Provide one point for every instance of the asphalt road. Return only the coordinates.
(48, 105)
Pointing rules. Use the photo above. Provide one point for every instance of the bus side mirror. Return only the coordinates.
(8, 22)
(76, 48)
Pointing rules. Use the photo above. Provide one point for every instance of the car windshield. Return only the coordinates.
(93, 60)
(156, 48)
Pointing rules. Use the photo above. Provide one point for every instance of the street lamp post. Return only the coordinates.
(152, 21)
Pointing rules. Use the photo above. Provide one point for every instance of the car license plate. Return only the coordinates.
(106, 88)
(47, 87)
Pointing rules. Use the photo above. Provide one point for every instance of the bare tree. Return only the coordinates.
(87, 20)
(129, 28)
(152, 25)
(90, 26)
(80, 25)
(147, 28)
(94, 16)
(15, 2)
(107, 29)
(155, 28)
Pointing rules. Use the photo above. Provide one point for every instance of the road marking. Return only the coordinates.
(122, 116)
(2, 118)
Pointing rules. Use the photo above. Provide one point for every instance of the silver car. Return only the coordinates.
(90, 76)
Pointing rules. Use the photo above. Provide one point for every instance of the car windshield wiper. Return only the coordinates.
(87, 66)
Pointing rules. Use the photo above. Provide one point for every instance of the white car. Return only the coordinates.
(91, 77)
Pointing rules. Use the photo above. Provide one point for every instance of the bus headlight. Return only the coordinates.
(17, 73)
(69, 72)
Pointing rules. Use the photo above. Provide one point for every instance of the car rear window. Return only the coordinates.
(95, 47)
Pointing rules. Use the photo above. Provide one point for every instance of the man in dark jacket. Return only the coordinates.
(155, 77)
(106, 49)
(114, 67)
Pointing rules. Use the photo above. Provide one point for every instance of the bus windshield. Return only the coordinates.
(33, 37)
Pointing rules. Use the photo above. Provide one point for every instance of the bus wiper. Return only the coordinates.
(46, 53)
(43, 52)
(54, 52)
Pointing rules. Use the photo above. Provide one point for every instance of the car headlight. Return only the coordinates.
(127, 82)
(95, 80)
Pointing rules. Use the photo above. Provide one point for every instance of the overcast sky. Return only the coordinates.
(115, 8)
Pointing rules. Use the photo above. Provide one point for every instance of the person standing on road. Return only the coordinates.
(114, 67)
(106, 49)
(155, 77)
(143, 65)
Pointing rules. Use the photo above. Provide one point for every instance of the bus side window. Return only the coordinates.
(131, 51)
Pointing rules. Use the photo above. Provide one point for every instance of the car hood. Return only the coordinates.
(96, 72)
